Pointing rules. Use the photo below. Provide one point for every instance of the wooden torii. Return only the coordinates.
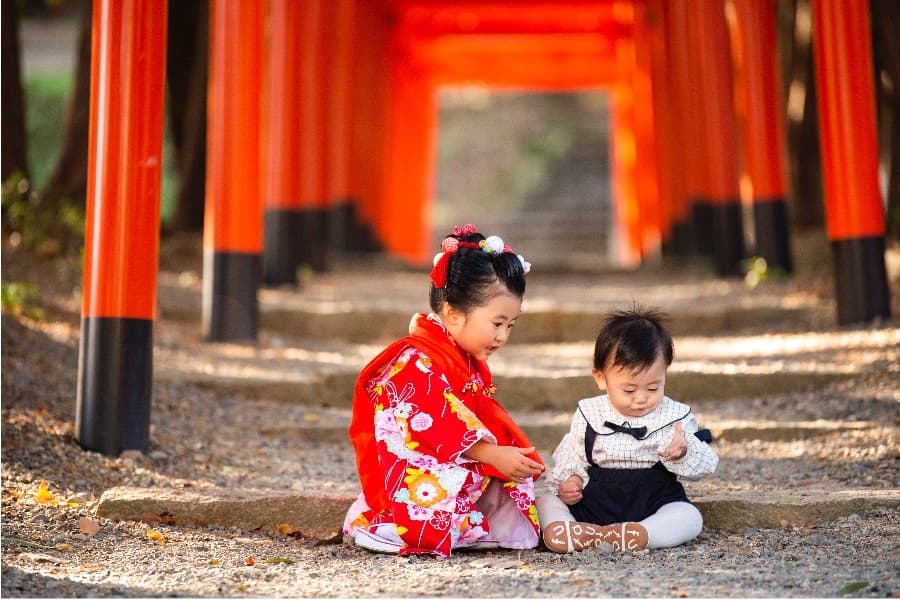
(321, 125)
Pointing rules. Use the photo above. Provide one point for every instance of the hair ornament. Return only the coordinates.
(449, 245)
(492, 244)
(526, 266)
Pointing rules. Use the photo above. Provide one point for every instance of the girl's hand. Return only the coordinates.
(515, 464)
(677, 448)
(512, 462)
(569, 491)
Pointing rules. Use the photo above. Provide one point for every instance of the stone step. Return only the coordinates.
(348, 305)
(534, 326)
(335, 387)
(319, 516)
(545, 436)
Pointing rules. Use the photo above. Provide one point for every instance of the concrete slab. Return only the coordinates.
(780, 509)
(320, 516)
(317, 516)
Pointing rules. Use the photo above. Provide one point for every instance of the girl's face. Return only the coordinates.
(483, 330)
(633, 393)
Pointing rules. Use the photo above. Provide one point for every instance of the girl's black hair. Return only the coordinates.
(633, 339)
(471, 273)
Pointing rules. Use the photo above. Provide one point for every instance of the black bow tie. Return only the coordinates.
(636, 432)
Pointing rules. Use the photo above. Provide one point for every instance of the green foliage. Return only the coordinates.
(45, 106)
(45, 230)
(46, 95)
(21, 299)
(756, 270)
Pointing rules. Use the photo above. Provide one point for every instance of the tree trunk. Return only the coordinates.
(187, 76)
(68, 180)
(807, 208)
(885, 21)
(14, 145)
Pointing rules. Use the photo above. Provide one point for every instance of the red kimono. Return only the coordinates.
(417, 407)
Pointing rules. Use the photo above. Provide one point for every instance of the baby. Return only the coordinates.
(615, 473)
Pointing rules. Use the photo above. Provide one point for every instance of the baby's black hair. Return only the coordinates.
(633, 339)
(471, 273)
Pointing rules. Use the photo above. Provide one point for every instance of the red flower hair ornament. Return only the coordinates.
(490, 245)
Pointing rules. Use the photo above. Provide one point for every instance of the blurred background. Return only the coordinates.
(521, 164)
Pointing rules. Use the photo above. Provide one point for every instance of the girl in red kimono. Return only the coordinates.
(441, 464)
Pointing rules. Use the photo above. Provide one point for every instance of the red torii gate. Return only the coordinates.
(323, 126)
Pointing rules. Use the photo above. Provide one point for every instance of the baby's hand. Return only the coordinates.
(569, 491)
(677, 448)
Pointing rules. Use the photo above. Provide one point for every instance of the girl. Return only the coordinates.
(441, 464)
(615, 472)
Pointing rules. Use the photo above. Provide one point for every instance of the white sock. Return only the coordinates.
(550, 508)
(673, 524)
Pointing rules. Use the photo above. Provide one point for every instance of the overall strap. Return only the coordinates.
(590, 436)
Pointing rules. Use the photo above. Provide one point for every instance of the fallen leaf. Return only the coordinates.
(311, 418)
(240, 587)
(64, 547)
(853, 586)
(214, 562)
(44, 495)
(581, 582)
(89, 526)
(285, 529)
(249, 561)
(156, 536)
(276, 560)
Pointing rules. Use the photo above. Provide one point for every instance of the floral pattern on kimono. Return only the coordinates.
(422, 428)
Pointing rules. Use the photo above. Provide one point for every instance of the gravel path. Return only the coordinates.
(54, 545)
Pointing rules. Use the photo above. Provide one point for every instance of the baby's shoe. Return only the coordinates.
(573, 536)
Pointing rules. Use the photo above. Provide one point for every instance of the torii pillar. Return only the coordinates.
(232, 223)
(121, 242)
(842, 47)
(763, 139)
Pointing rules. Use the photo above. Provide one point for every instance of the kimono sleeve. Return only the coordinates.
(433, 419)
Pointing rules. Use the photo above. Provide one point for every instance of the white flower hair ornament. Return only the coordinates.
(526, 266)
(492, 244)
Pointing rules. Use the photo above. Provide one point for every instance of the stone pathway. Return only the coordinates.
(249, 470)
(740, 353)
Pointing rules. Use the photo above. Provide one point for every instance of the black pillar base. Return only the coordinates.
(860, 280)
(770, 225)
(703, 218)
(340, 224)
(682, 242)
(115, 378)
(230, 306)
(314, 239)
(728, 238)
(281, 236)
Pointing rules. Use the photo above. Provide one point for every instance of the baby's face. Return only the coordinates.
(634, 393)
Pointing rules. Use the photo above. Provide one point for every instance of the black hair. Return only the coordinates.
(633, 339)
(471, 273)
